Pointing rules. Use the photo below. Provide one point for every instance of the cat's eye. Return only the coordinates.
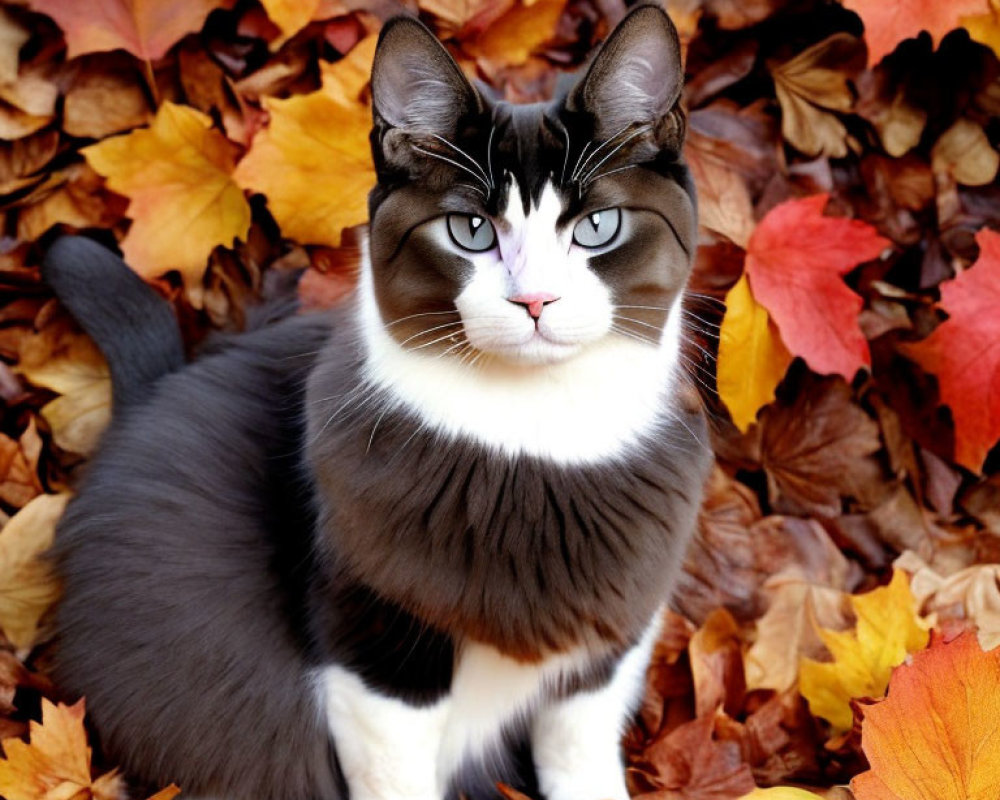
(471, 232)
(598, 228)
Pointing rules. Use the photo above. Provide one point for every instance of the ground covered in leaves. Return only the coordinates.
(836, 619)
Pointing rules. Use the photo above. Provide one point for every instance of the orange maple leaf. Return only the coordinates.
(794, 261)
(888, 22)
(56, 763)
(146, 28)
(964, 353)
(936, 736)
(184, 201)
(313, 161)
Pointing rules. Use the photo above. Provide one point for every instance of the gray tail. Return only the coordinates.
(131, 324)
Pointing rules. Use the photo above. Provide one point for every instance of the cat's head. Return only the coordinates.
(529, 233)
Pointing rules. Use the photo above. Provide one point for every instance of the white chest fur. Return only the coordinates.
(390, 750)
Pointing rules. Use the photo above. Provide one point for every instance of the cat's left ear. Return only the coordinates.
(636, 77)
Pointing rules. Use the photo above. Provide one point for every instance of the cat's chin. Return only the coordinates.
(537, 351)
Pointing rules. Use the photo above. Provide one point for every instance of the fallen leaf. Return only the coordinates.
(752, 359)
(105, 96)
(794, 261)
(183, 200)
(518, 33)
(716, 654)
(887, 630)
(688, 764)
(19, 480)
(28, 587)
(817, 448)
(12, 35)
(290, 16)
(780, 793)
(965, 152)
(935, 737)
(724, 203)
(56, 762)
(810, 86)
(888, 22)
(146, 29)
(313, 161)
(963, 352)
(985, 28)
(74, 196)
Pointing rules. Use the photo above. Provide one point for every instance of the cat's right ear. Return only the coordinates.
(416, 85)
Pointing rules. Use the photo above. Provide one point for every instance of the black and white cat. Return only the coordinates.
(421, 544)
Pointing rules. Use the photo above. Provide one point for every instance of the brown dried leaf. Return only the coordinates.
(19, 481)
(716, 653)
(105, 95)
(21, 159)
(818, 447)
(74, 196)
(811, 85)
(12, 35)
(964, 152)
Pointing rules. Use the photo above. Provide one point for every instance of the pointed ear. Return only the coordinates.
(636, 76)
(416, 84)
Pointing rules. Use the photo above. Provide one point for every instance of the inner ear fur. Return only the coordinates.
(635, 78)
(416, 85)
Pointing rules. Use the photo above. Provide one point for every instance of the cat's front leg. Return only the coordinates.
(387, 747)
(576, 741)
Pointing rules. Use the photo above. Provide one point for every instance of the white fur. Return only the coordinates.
(576, 742)
(575, 392)
(387, 749)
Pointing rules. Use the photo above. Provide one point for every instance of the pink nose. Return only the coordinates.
(534, 301)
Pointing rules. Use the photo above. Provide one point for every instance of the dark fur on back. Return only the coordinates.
(184, 557)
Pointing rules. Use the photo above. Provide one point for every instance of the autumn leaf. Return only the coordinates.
(518, 33)
(780, 793)
(888, 22)
(794, 261)
(887, 629)
(56, 762)
(965, 152)
(752, 358)
(27, 586)
(184, 201)
(146, 28)
(813, 84)
(985, 28)
(313, 161)
(964, 353)
(936, 737)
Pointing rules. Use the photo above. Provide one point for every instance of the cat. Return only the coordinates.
(421, 543)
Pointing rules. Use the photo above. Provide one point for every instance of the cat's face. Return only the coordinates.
(528, 234)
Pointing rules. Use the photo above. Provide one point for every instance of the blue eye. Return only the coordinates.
(471, 232)
(598, 227)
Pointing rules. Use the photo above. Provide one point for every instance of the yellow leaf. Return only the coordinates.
(27, 585)
(56, 763)
(518, 33)
(887, 630)
(985, 28)
(752, 358)
(313, 161)
(184, 201)
(290, 16)
(780, 793)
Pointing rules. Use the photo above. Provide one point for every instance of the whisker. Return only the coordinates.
(638, 132)
(421, 314)
(580, 167)
(489, 155)
(461, 152)
(613, 171)
(430, 330)
(453, 162)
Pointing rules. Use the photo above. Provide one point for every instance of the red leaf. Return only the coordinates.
(794, 261)
(964, 353)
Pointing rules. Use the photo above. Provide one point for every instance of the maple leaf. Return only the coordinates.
(518, 33)
(752, 358)
(780, 793)
(887, 630)
(146, 29)
(935, 737)
(27, 585)
(888, 22)
(964, 353)
(794, 261)
(183, 200)
(56, 762)
(313, 161)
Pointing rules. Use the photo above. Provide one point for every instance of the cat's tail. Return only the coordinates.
(130, 323)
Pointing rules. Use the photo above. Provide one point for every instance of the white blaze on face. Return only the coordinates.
(533, 258)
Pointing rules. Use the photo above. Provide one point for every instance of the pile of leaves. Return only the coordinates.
(837, 616)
